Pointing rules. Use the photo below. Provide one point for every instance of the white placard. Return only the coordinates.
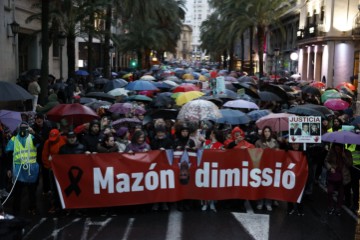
(304, 129)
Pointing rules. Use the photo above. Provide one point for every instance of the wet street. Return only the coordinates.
(229, 222)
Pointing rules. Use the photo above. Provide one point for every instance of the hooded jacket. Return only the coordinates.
(53, 101)
(52, 148)
(241, 144)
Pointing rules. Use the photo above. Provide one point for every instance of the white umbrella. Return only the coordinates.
(198, 110)
(241, 104)
(118, 92)
(148, 78)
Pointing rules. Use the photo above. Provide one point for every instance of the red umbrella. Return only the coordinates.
(346, 84)
(74, 113)
(336, 104)
(318, 84)
(186, 88)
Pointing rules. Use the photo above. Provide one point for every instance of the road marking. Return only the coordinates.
(89, 223)
(128, 228)
(174, 225)
(257, 225)
(56, 231)
(35, 227)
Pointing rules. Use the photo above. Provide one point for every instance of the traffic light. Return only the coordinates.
(133, 63)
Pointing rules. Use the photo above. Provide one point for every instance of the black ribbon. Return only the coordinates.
(74, 180)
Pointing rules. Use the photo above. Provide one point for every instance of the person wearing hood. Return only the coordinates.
(52, 102)
(92, 138)
(51, 147)
(238, 139)
(25, 169)
(72, 145)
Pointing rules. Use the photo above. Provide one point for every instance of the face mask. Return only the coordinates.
(23, 131)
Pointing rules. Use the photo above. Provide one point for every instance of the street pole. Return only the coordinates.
(276, 54)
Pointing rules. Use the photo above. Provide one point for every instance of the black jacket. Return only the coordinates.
(165, 143)
(76, 148)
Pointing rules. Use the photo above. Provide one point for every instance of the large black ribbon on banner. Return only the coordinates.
(74, 180)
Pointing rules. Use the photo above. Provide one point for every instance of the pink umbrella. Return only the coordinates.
(336, 104)
(277, 121)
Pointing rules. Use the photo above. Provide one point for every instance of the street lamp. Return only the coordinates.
(61, 38)
(276, 54)
(15, 27)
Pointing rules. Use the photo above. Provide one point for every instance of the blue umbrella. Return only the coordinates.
(81, 73)
(256, 114)
(233, 117)
(10, 119)
(115, 83)
(140, 85)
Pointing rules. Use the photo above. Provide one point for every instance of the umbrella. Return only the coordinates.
(233, 117)
(356, 121)
(213, 99)
(148, 78)
(101, 81)
(10, 119)
(118, 92)
(81, 73)
(269, 96)
(228, 94)
(13, 92)
(84, 100)
(256, 114)
(74, 113)
(343, 137)
(311, 90)
(241, 104)
(141, 85)
(296, 76)
(114, 74)
(279, 90)
(188, 76)
(122, 108)
(139, 98)
(98, 104)
(174, 79)
(165, 113)
(278, 122)
(100, 96)
(187, 96)
(336, 104)
(318, 84)
(163, 100)
(198, 110)
(171, 83)
(162, 85)
(59, 86)
(249, 89)
(346, 84)
(311, 110)
(115, 83)
(230, 79)
(186, 87)
(331, 93)
(346, 90)
(124, 121)
(246, 79)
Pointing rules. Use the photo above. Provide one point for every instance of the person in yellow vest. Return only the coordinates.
(336, 126)
(355, 175)
(25, 169)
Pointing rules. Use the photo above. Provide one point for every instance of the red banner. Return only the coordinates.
(114, 179)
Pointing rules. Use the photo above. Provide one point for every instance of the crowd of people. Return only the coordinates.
(26, 153)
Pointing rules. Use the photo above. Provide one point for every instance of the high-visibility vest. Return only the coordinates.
(355, 153)
(23, 155)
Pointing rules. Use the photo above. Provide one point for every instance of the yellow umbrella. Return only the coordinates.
(187, 97)
(127, 75)
(203, 78)
(188, 76)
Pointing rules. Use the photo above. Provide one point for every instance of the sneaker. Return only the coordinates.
(291, 212)
(204, 207)
(330, 211)
(259, 206)
(155, 207)
(212, 207)
(269, 208)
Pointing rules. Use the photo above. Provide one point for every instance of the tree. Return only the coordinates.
(256, 14)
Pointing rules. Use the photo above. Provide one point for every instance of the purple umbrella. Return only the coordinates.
(122, 108)
(344, 137)
(10, 119)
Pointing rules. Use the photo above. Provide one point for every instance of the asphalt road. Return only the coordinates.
(229, 222)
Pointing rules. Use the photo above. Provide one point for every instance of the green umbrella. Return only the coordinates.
(332, 93)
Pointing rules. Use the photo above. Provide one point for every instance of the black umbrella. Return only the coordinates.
(278, 90)
(97, 104)
(101, 81)
(311, 110)
(165, 113)
(115, 83)
(163, 100)
(13, 92)
(217, 101)
(85, 100)
(249, 89)
(269, 96)
(311, 90)
(100, 96)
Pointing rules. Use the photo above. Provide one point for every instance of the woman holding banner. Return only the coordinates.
(266, 141)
